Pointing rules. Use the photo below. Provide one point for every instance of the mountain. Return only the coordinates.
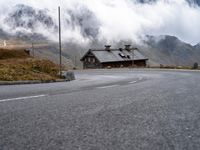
(197, 2)
(3, 34)
(24, 21)
(169, 50)
(24, 16)
(29, 22)
(194, 2)
(197, 46)
(85, 20)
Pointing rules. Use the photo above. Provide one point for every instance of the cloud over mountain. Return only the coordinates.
(102, 20)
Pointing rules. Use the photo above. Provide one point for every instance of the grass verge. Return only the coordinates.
(17, 65)
(28, 69)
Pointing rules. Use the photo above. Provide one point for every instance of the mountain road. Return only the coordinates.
(116, 109)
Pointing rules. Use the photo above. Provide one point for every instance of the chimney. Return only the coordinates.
(128, 47)
(107, 48)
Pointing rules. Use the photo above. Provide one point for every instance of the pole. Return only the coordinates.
(75, 61)
(133, 58)
(60, 47)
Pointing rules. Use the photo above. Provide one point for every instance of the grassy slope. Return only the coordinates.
(18, 65)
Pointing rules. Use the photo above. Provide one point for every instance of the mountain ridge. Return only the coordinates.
(169, 50)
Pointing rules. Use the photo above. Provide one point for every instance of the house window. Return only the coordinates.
(122, 55)
(93, 60)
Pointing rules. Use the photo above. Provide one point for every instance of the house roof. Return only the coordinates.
(116, 55)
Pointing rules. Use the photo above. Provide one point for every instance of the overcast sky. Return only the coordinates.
(126, 19)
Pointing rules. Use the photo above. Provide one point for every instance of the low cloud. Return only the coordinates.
(114, 20)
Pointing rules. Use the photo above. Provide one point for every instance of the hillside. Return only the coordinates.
(16, 65)
(42, 49)
(169, 50)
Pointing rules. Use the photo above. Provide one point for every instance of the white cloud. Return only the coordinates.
(125, 19)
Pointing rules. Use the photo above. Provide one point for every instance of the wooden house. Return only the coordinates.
(113, 58)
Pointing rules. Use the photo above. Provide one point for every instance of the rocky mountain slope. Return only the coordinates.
(189, 1)
(169, 50)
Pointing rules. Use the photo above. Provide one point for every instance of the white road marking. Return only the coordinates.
(104, 87)
(21, 98)
(132, 82)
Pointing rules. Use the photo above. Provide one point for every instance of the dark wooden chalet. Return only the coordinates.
(113, 58)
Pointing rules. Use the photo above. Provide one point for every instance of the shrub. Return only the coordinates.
(195, 66)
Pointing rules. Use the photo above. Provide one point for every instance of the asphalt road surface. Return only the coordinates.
(118, 109)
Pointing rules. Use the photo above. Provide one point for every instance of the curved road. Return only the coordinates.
(118, 109)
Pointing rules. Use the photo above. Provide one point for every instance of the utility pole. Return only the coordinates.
(133, 63)
(60, 47)
(75, 61)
